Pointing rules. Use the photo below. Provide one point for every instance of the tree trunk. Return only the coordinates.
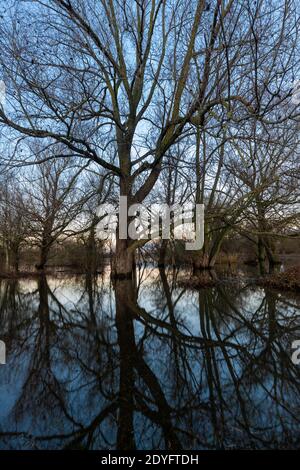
(162, 253)
(12, 258)
(272, 257)
(261, 255)
(200, 262)
(16, 261)
(124, 261)
(44, 253)
(92, 262)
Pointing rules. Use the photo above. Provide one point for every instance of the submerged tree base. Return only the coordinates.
(201, 280)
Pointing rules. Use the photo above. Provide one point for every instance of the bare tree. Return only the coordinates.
(105, 75)
(270, 171)
(13, 226)
(52, 201)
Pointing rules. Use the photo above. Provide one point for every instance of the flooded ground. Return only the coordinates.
(147, 365)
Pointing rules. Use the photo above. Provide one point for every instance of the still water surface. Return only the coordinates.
(163, 367)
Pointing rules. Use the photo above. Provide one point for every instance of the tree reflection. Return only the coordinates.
(128, 365)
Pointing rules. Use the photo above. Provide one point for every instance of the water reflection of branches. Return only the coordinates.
(104, 374)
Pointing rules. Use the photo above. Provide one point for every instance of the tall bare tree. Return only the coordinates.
(96, 75)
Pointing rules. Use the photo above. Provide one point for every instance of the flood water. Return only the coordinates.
(147, 365)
